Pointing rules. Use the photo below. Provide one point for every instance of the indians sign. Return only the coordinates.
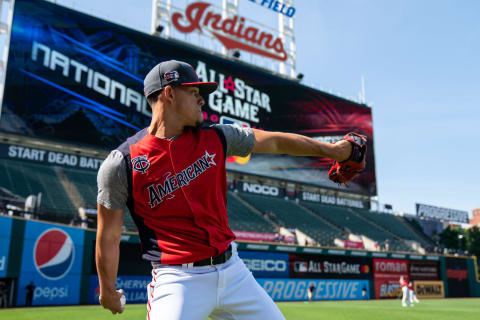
(231, 32)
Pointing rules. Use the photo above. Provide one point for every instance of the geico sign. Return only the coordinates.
(265, 265)
(259, 189)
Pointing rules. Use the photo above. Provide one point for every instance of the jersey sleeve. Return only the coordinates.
(112, 182)
(239, 141)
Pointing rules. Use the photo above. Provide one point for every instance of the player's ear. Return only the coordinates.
(168, 94)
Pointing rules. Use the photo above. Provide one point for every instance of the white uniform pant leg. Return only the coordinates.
(175, 294)
(404, 295)
(413, 297)
(240, 297)
(410, 296)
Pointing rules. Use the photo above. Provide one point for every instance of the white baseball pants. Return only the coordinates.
(227, 291)
(405, 295)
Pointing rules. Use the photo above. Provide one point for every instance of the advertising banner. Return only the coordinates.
(255, 236)
(11, 151)
(387, 273)
(352, 244)
(134, 288)
(429, 289)
(51, 264)
(423, 270)
(427, 211)
(266, 264)
(320, 266)
(325, 289)
(5, 234)
(333, 200)
(85, 82)
(257, 188)
(457, 277)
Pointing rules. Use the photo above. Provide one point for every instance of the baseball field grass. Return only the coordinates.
(446, 309)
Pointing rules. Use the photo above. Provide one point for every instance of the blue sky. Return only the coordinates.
(421, 64)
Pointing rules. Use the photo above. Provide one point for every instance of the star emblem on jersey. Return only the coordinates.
(229, 84)
(140, 164)
(210, 158)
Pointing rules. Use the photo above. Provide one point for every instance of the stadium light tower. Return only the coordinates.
(286, 32)
(161, 10)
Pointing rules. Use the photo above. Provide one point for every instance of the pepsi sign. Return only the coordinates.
(5, 232)
(52, 260)
(53, 254)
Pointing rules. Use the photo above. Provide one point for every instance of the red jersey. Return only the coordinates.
(177, 194)
(403, 283)
(410, 286)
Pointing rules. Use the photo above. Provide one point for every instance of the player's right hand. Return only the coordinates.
(111, 301)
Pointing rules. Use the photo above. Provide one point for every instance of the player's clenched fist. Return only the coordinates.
(114, 301)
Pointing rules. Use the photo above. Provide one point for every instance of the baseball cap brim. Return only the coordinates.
(203, 87)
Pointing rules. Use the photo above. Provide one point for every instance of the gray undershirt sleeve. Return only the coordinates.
(239, 140)
(112, 182)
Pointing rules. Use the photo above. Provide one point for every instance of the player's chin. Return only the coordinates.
(199, 121)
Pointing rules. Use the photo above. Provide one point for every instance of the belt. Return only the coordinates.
(212, 261)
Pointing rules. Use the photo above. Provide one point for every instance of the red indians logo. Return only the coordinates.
(228, 30)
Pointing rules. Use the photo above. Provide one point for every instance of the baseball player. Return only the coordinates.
(404, 285)
(411, 294)
(310, 291)
(171, 175)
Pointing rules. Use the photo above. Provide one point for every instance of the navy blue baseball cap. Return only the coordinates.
(174, 73)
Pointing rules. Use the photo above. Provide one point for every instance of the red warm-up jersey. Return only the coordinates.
(177, 194)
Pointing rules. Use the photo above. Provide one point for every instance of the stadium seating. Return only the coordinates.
(347, 218)
(290, 215)
(86, 184)
(242, 218)
(24, 179)
(343, 217)
(393, 224)
(322, 223)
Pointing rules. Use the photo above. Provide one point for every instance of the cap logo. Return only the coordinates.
(171, 76)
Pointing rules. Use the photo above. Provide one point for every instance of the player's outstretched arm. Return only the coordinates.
(109, 232)
(298, 145)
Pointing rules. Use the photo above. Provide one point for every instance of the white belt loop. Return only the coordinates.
(187, 265)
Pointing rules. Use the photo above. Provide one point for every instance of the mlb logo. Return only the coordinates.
(171, 76)
(235, 122)
(301, 266)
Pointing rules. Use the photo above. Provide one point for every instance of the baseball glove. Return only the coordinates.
(342, 172)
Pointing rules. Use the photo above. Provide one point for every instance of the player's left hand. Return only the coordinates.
(344, 171)
(112, 301)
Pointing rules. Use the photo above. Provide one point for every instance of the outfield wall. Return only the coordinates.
(59, 261)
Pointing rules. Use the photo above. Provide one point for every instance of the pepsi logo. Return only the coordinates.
(53, 254)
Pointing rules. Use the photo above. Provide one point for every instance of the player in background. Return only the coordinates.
(172, 177)
(310, 291)
(411, 294)
(404, 286)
